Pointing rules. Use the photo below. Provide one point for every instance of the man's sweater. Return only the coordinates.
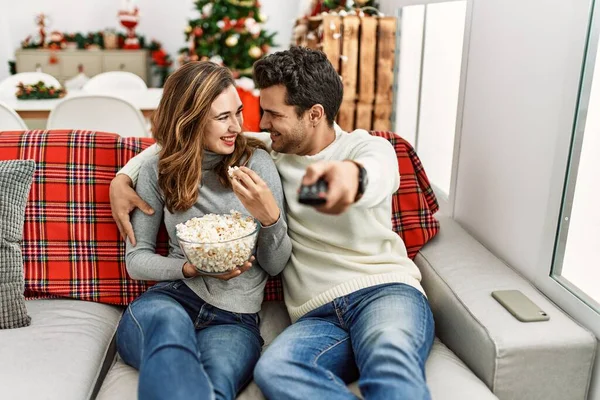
(335, 255)
(243, 294)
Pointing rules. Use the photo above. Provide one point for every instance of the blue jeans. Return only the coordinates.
(381, 335)
(184, 348)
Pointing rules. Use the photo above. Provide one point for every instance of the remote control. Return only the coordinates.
(312, 194)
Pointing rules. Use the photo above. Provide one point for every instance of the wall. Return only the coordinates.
(162, 21)
(521, 93)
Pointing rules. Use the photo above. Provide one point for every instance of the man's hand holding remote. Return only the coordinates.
(342, 178)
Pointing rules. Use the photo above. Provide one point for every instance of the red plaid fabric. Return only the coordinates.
(414, 204)
(71, 245)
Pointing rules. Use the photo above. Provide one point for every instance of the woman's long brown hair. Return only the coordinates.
(178, 126)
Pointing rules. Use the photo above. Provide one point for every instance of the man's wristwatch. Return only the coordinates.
(362, 182)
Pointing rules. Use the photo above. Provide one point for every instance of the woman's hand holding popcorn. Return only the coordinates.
(255, 195)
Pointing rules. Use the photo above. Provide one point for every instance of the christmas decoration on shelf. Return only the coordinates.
(41, 20)
(161, 60)
(38, 91)
(38, 40)
(129, 18)
(229, 31)
(107, 39)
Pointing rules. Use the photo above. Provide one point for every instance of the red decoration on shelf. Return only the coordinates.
(40, 20)
(129, 18)
(53, 59)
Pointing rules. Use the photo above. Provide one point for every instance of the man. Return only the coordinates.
(354, 296)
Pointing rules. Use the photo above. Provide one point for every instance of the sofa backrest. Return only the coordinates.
(71, 245)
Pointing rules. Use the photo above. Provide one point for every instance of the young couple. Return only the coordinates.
(354, 297)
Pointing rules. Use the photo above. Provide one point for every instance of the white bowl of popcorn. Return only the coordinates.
(217, 243)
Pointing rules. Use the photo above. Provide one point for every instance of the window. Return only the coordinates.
(576, 262)
(429, 60)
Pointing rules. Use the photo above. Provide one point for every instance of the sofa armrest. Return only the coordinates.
(537, 360)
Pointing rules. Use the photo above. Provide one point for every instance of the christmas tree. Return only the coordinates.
(228, 32)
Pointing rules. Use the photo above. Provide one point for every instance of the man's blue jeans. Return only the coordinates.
(382, 333)
(185, 348)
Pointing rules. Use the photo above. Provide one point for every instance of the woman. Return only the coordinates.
(193, 336)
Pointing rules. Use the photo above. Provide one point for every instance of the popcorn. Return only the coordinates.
(209, 242)
(231, 170)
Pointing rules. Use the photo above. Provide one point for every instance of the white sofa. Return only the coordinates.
(481, 352)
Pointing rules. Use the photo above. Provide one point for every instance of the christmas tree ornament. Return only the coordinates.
(188, 29)
(232, 40)
(198, 31)
(255, 52)
(217, 60)
(207, 10)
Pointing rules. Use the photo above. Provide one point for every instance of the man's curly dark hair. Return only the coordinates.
(308, 77)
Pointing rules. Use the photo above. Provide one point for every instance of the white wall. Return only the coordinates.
(5, 39)
(163, 21)
(521, 91)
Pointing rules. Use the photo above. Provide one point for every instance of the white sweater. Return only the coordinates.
(335, 255)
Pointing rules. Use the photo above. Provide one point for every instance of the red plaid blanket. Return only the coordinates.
(71, 245)
(414, 204)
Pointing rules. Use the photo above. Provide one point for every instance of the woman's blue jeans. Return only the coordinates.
(184, 348)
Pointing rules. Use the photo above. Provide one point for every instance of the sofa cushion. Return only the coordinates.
(15, 181)
(71, 245)
(61, 354)
(448, 377)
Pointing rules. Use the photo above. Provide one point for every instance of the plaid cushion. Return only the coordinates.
(414, 204)
(71, 245)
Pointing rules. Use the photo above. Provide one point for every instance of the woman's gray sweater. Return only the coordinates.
(242, 294)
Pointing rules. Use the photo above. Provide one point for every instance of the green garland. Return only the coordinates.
(38, 91)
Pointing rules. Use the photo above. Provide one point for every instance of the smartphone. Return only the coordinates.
(520, 306)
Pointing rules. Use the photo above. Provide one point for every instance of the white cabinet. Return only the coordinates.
(93, 62)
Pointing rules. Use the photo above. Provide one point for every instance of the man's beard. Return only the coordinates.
(290, 144)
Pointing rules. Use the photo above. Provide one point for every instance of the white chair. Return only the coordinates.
(8, 86)
(10, 120)
(96, 112)
(114, 80)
